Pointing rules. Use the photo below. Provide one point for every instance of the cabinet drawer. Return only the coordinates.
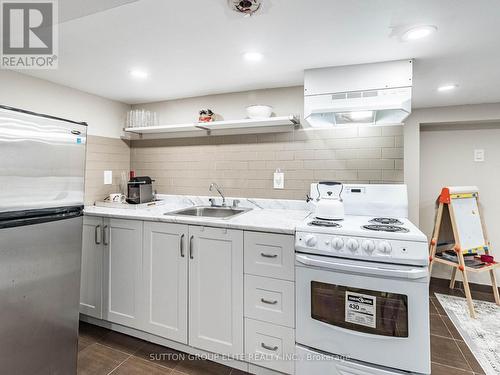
(269, 345)
(270, 300)
(268, 254)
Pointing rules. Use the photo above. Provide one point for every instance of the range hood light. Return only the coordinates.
(361, 115)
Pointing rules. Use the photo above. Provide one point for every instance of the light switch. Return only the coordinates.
(479, 155)
(108, 177)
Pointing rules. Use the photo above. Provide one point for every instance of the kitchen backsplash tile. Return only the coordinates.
(103, 154)
(244, 164)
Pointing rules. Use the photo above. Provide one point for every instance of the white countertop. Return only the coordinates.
(267, 219)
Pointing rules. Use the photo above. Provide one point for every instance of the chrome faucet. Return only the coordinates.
(214, 185)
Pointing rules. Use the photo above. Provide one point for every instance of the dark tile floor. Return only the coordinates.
(103, 352)
(450, 355)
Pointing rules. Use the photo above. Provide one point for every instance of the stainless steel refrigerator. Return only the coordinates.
(42, 169)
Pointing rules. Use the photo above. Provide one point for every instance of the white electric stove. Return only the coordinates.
(379, 239)
(362, 288)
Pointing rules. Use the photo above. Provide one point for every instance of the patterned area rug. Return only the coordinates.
(482, 334)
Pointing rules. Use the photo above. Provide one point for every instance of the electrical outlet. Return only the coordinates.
(479, 155)
(279, 180)
(108, 177)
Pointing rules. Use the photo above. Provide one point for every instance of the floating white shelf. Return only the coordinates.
(227, 127)
(163, 129)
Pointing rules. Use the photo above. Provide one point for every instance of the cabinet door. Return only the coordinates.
(165, 274)
(123, 272)
(91, 275)
(216, 290)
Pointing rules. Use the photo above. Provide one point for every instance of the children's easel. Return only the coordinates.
(458, 209)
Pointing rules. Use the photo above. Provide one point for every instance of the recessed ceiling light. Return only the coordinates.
(139, 74)
(253, 56)
(447, 87)
(419, 32)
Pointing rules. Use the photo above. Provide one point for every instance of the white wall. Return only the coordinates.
(442, 116)
(286, 101)
(105, 117)
(447, 158)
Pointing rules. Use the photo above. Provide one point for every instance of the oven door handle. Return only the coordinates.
(411, 273)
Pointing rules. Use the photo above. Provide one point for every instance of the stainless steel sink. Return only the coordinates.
(209, 211)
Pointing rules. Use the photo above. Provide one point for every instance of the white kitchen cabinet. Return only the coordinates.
(270, 255)
(270, 300)
(92, 259)
(269, 345)
(122, 275)
(216, 290)
(165, 275)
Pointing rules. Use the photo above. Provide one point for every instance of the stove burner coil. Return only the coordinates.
(324, 223)
(386, 228)
(386, 220)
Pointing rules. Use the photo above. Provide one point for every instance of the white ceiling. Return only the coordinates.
(195, 47)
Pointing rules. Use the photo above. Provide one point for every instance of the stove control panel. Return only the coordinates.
(362, 248)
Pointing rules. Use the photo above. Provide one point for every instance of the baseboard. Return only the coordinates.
(437, 281)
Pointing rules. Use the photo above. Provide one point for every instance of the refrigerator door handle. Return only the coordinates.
(38, 216)
(105, 234)
(98, 235)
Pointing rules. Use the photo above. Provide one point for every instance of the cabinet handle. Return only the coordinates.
(105, 236)
(97, 232)
(265, 255)
(191, 247)
(271, 348)
(181, 248)
(269, 302)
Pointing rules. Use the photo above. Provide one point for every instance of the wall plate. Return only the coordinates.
(279, 180)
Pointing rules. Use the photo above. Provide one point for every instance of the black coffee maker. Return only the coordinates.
(140, 190)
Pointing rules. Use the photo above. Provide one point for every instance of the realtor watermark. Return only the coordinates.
(29, 34)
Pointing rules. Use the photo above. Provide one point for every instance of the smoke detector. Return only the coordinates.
(245, 7)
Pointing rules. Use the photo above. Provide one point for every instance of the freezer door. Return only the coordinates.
(42, 161)
(39, 296)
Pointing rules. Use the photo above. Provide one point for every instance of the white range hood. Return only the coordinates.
(374, 94)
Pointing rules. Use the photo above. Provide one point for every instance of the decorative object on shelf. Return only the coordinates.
(259, 112)
(138, 118)
(206, 115)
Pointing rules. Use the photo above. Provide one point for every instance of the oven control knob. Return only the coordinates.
(338, 243)
(384, 247)
(352, 244)
(368, 246)
(311, 241)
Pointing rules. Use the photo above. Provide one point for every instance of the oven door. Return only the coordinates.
(367, 311)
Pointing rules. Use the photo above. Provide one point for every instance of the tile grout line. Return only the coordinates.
(121, 363)
(466, 360)
(454, 339)
(451, 367)
(447, 329)
(115, 349)
(155, 364)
